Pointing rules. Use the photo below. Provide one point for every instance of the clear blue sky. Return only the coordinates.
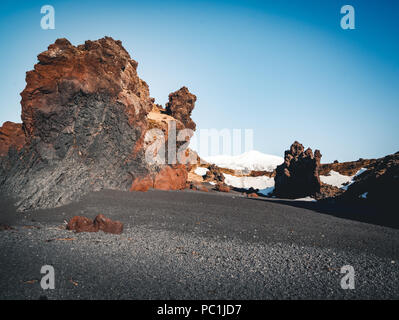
(283, 68)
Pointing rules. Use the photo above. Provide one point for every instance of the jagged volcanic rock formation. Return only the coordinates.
(298, 176)
(180, 105)
(85, 116)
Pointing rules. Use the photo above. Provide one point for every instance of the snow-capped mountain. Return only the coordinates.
(251, 160)
(246, 162)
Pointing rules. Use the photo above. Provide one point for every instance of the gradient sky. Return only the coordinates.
(283, 68)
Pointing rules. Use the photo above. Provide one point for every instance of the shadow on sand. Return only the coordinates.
(387, 215)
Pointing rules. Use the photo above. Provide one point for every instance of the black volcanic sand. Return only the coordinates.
(195, 245)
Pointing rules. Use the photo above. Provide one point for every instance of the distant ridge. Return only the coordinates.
(251, 160)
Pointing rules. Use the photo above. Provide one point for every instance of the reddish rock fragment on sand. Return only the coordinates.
(198, 187)
(252, 195)
(81, 224)
(222, 187)
(107, 225)
(84, 224)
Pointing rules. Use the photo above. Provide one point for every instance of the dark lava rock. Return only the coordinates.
(85, 118)
(298, 176)
(214, 174)
(5, 227)
(379, 184)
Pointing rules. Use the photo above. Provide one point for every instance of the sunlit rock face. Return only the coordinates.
(85, 116)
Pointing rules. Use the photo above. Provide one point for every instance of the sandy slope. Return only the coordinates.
(197, 245)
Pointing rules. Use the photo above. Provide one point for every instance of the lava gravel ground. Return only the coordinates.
(194, 245)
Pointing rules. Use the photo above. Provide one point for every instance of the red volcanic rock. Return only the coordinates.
(142, 184)
(11, 135)
(107, 225)
(221, 187)
(85, 116)
(84, 224)
(180, 105)
(171, 178)
(252, 195)
(298, 176)
(64, 71)
(81, 224)
(168, 178)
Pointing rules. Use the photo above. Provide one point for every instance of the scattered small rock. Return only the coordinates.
(73, 282)
(198, 187)
(5, 227)
(31, 281)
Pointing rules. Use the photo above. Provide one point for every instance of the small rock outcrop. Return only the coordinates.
(298, 176)
(4, 227)
(214, 174)
(86, 126)
(84, 224)
(252, 195)
(169, 178)
(198, 187)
